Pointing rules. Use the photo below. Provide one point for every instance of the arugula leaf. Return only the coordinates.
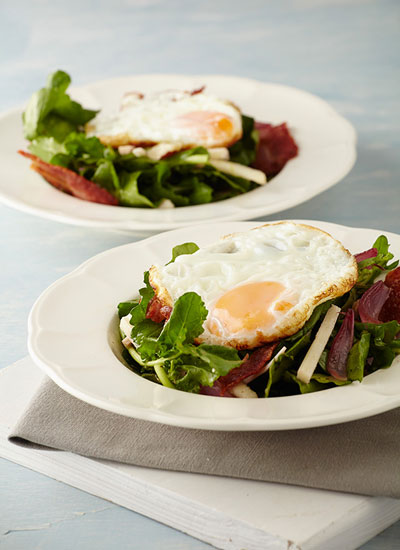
(289, 359)
(40, 105)
(383, 333)
(129, 194)
(58, 80)
(162, 188)
(51, 112)
(277, 369)
(88, 149)
(146, 294)
(312, 386)
(221, 359)
(244, 150)
(318, 382)
(124, 308)
(383, 346)
(56, 126)
(328, 379)
(202, 366)
(144, 331)
(180, 249)
(106, 176)
(300, 344)
(185, 323)
(67, 109)
(145, 338)
(202, 192)
(46, 148)
(382, 357)
(368, 271)
(323, 360)
(370, 268)
(190, 377)
(358, 357)
(77, 152)
(317, 314)
(228, 182)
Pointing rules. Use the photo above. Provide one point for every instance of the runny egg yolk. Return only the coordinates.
(206, 124)
(248, 307)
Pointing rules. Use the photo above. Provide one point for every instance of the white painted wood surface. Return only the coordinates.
(228, 513)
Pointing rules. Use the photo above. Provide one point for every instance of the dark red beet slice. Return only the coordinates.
(275, 148)
(341, 345)
(393, 278)
(391, 308)
(366, 255)
(70, 182)
(372, 301)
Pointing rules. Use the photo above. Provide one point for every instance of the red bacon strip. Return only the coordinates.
(68, 181)
(275, 148)
(248, 370)
(197, 90)
(391, 308)
(157, 311)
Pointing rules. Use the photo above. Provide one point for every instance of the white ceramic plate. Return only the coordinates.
(326, 154)
(73, 337)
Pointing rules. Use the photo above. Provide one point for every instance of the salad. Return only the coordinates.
(344, 339)
(64, 151)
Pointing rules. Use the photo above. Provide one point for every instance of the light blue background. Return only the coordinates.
(345, 51)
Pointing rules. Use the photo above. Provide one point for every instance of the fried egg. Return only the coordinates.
(182, 119)
(259, 286)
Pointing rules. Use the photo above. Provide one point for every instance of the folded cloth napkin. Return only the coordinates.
(358, 457)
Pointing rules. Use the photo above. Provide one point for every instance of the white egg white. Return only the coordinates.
(182, 119)
(298, 265)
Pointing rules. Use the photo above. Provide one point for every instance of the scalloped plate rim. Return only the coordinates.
(49, 366)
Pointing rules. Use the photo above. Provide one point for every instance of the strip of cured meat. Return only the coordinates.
(251, 367)
(157, 311)
(275, 147)
(70, 182)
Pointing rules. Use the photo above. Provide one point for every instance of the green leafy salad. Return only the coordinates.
(363, 339)
(54, 124)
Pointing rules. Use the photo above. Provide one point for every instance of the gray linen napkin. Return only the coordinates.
(358, 457)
